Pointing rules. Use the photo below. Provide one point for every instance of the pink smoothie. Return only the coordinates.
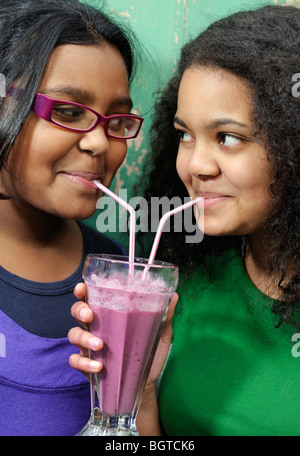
(127, 321)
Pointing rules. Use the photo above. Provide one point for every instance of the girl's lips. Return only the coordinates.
(82, 179)
(210, 199)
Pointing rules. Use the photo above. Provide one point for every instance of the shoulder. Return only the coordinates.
(96, 242)
(215, 267)
(214, 277)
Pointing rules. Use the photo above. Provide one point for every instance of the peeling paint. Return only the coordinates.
(185, 19)
(119, 183)
(121, 13)
(288, 3)
(142, 155)
(138, 141)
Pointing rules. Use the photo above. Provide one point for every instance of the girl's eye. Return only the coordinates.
(184, 136)
(229, 140)
(67, 113)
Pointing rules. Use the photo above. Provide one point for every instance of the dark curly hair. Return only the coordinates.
(261, 46)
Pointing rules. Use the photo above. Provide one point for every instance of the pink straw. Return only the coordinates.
(132, 217)
(132, 224)
(160, 229)
(163, 221)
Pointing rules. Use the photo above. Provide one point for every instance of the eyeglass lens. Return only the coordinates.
(77, 117)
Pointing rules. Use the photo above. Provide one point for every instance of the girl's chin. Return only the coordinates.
(215, 229)
(76, 213)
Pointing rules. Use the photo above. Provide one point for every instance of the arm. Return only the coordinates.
(148, 417)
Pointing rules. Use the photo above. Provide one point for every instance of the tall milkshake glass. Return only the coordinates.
(130, 303)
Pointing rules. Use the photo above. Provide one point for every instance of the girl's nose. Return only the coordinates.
(203, 162)
(95, 141)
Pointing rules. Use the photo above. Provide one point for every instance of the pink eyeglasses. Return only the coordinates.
(77, 117)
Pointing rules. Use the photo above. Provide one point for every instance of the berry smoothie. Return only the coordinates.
(127, 319)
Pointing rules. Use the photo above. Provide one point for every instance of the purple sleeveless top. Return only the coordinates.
(41, 395)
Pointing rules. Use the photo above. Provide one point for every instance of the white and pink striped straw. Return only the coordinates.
(160, 229)
(132, 218)
(132, 225)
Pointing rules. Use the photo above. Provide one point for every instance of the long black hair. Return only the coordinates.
(262, 47)
(29, 31)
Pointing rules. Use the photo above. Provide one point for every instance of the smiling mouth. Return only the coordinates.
(82, 179)
(210, 199)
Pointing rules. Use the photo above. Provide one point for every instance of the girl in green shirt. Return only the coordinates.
(234, 366)
(227, 129)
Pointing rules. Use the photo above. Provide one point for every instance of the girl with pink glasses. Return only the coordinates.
(64, 123)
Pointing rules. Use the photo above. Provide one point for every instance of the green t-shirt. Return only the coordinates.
(230, 371)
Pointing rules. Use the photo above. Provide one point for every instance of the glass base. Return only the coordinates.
(103, 425)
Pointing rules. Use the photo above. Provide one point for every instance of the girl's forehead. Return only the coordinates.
(86, 74)
(214, 77)
(206, 93)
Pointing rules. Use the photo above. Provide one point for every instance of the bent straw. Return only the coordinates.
(160, 229)
(132, 218)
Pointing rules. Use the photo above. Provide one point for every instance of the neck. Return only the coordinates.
(36, 245)
(22, 224)
(258, 267)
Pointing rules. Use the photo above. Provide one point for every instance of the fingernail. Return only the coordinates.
(95, 366)
(83, 314)
(94, 343)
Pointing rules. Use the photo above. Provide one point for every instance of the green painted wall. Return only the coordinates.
(162, 27)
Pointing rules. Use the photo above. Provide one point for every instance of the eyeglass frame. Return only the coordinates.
(43, 107)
